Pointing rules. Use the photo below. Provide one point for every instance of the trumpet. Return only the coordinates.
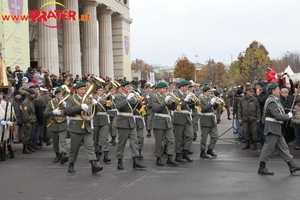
(141, 99)
(174, 98)
(106, 98)
(219, 101)
(195, 98)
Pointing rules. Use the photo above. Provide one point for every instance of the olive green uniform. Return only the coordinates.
(44, 99)
(29, 119)
(112, 111)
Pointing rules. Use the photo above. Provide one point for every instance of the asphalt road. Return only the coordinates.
(232, 175)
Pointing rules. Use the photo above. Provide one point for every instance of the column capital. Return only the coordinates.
(88, 3)
(105, 10)
(121, 17)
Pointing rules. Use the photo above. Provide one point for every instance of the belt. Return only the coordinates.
(270, 119)
(182, 111)
(138, 116)
(162, 115)
(125, 114)
(75, 118)
(113, 109)
(101, 113)
(207, 114)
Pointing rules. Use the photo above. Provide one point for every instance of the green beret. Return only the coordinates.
(139, 82)
(58, 90)
(111, 87)
(272, 86)
(124, 83)
(225, 86)
(135, 89)
(147, 85)
(249, 89)
(79, 85)
(200, 85)
(190, 86)
(183, 83)
(161, 85)
(205, 88)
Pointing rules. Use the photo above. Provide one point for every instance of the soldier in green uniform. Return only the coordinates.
(208, 123)
(45, 133)
(58, 128)
(274, 115)
(79, 129)
(29, 119)
(162, 125)
(149, 116)
(101, 120)
(183, 124)
(249, 116)
(195, 116)
(227, 96)
(112, 111)
(126, 126)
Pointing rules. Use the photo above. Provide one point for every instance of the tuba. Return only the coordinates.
(66, 94)
(87, 99)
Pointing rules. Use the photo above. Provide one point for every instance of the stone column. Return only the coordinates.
(90, 46)
(106, 48)
(71, 41)
(48, 42)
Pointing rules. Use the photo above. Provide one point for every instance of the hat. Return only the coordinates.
(25, 80)
(190, 86)
(16, 92)
(43, 89)
(148, 86)
(205, 88)
(272, 86)
(32, 87)
(31, 91)
(171, 83)
(124, 83)
(58, 90)
(135, 89)
(33, 80)
(183, 83)
(239, 92)
(161, 85)
(139, 82)
(249, 89)
(30, 68)
(79, 85)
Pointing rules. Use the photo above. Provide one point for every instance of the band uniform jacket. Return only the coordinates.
(275, 110)
(112, 110)
(136, 112)
(73, 109)
(44, 100)
(100, 119)
(123, 107)
(28, 110)
(161, 107)
(149, 103)
(183, 118)
(55, 126)
(207, 107)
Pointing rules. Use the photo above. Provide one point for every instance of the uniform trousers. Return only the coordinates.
(101, 138)
(250, 127)
(278, 142)
(28, 132)
(166, 136)
(131, 135)
(185, 131)
(59, 141)
(113, 126)
(213, 133)
(76, 139)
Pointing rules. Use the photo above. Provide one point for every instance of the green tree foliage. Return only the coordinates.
(254, 62)
(234, 73)
(184, 69)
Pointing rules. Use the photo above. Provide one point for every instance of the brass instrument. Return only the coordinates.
(142, 100)
(117, 83)
(219, 101)
(66, 94)
(106, 98)
(197, 101)
(89, 114)
(175, 99)
(113, 84)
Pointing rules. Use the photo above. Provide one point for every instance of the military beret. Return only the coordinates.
(239, 92)
(31, 91)
(139, 82)
(16, 92)
(161, 85)
(135, 89)
(79, 85)
(272, 86)
(190, 86)
(58, 90)
(205, 88)
(124, 83)
(111, 87)
(183, 83)
(201, 85)
(225, 86)
(249, 89)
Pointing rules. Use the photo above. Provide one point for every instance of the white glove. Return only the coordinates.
(188, 97)
(9, 123)
(290, 115)
(57, 112)
(167, 99)
(94, 102)
(65, 104)
(91, 95)
(213, 101)
(130, 96)
(147, 96)
(3, 123)
(84, 107)
(113, 97)
(108, 94)
(17, 80)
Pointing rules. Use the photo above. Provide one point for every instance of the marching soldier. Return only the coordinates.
(44, 99)
(208, 123)
(274, 115)
(149, 116)
(126, 126)
(162, 125)
(227, 96)
(183, 123)
(17, 104)
(195, 117)
(101, 121)
(79, 129)
(58, 128)
(112, 111)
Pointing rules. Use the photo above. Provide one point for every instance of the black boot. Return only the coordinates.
(211, 152)
(48, 142)
(159, 162)
(170, 161)
(106, 159)
(57, 158)
(136, 163)
(140, 154)
(195, 137)
(97, 156)
(40, 142)
(178, 158)
(203, 154)
(293, 167)
(187, 156)
(25, 150)
(113, 140)
(254, 146)
(262, 170)
(247, 145)
(165, 151)
(63, 158)
(71, 168)
(120, 164)
(149, 134)
(30, 149)
(95, 167)
(11, 152)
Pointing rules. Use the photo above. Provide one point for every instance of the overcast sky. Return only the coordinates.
(163, 30)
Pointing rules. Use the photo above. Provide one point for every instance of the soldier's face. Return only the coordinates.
(276, 92)
(162, 91)
(184, 88)
(58, 95)
(81, 91)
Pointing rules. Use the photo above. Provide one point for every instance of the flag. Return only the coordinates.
(3, 76)
(196, 55)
